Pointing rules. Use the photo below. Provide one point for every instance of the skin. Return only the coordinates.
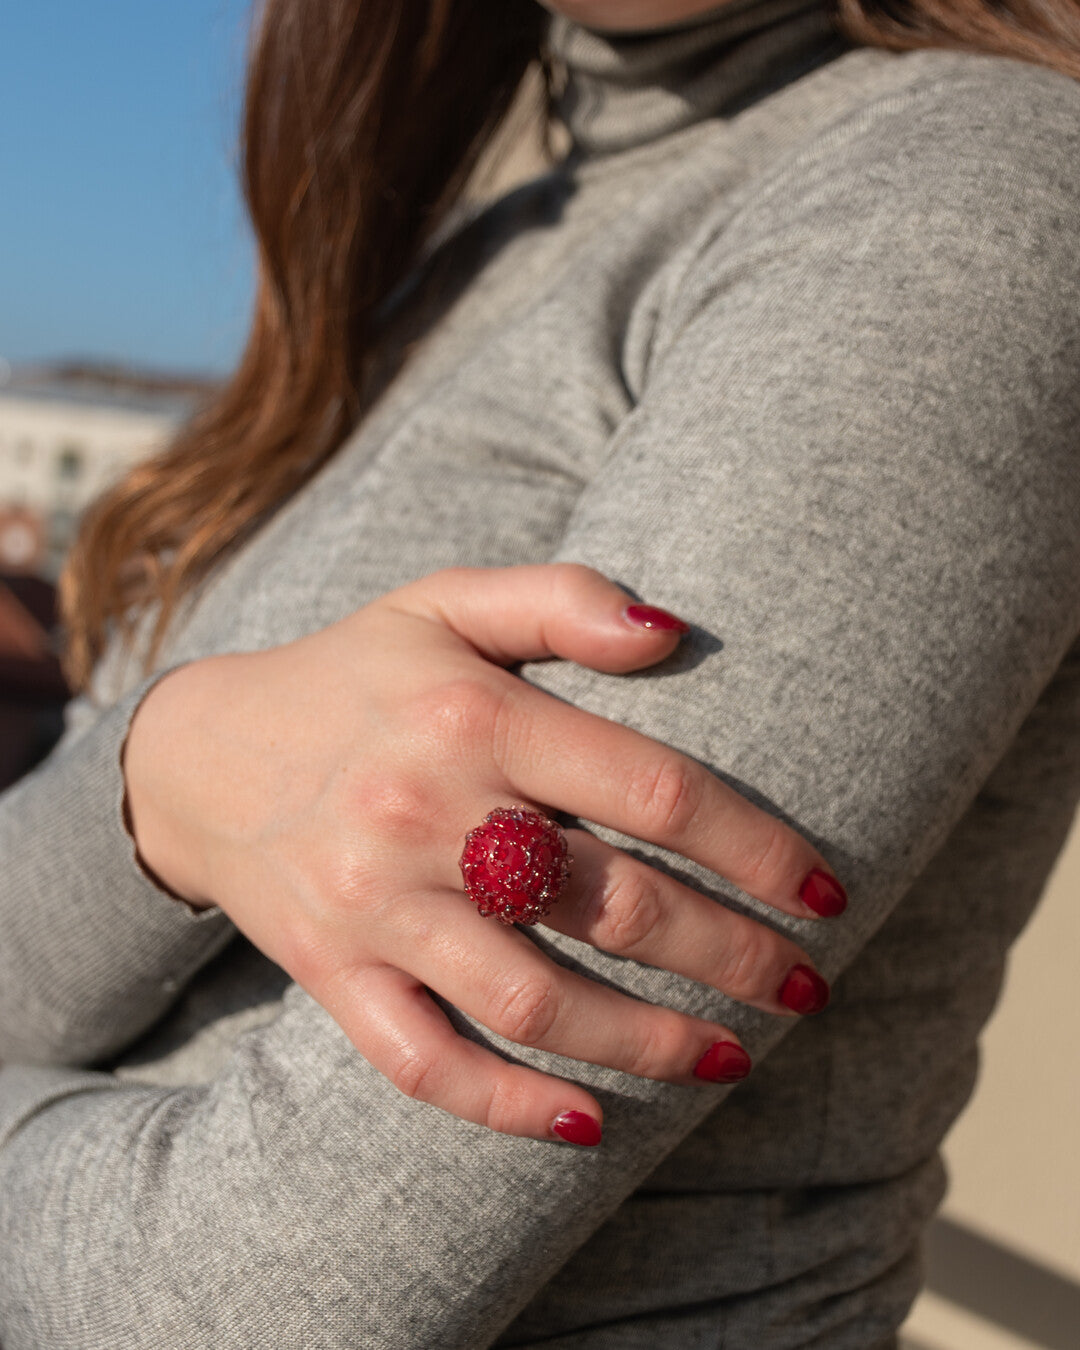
(618, 16)
(320, 792)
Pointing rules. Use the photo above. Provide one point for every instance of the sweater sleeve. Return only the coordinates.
(853, 465)
(93, 952)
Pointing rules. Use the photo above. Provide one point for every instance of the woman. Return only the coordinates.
(787, 347)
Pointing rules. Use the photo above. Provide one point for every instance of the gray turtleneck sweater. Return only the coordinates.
(790, 344)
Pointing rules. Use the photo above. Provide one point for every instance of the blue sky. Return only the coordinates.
(121, 230)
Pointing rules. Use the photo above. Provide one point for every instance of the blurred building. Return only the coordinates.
(66, 433)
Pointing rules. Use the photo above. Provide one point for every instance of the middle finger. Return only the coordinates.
(602, 771)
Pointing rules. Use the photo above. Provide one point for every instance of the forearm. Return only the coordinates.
(272, 1206)
(93, 952)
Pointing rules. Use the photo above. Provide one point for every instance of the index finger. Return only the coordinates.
(602, 771)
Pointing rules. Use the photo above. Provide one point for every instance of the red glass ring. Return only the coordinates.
(515, 864)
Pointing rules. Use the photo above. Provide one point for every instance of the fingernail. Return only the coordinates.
(576, 1127)
(723, 1062)
(804, 991)
(823, 894)
(648, 616)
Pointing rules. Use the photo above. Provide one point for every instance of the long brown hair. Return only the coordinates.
(364, 121)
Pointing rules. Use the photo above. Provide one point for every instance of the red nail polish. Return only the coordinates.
(804, 991)
(823, 894)
(648, 616)
(723, 1062)
(576, 1127)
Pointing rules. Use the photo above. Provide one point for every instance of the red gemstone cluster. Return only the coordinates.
(515, 864)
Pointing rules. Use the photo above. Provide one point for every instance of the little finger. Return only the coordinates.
(399, 1029)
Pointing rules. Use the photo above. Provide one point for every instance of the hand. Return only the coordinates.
(320, 792)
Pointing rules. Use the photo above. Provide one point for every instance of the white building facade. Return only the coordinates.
(61, 445)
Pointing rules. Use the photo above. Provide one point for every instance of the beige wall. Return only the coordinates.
(1013, 1158)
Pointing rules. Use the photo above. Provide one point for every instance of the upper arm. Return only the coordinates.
(855, 465)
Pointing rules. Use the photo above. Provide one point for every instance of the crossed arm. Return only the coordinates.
(854, 468)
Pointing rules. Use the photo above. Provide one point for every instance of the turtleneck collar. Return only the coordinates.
(624, 89)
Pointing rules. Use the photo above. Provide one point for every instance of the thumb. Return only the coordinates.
(528, 612)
